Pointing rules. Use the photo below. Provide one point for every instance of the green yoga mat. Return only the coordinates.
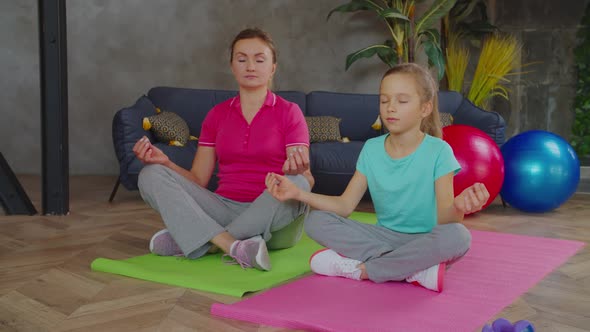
(210, 274)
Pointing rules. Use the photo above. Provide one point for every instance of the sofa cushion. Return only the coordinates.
(333, 164)
(335, 157)
(323, 129)
(357, 111)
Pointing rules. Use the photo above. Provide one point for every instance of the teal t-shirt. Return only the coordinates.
(403, 189)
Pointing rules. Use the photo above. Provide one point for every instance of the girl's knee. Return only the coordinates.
(461, 236)
(314, 222)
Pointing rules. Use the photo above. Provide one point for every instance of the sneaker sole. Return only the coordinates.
(317, 252)
(441, 276)
(162, 231)
(440, 279)
(262, 261)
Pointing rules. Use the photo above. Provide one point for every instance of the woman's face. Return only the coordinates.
(252, 63)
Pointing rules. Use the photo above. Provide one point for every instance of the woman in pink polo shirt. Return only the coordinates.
(250, 135)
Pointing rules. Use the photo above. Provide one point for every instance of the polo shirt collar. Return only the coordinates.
(270, 100)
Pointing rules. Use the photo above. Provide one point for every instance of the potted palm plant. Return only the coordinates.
(408, 34)
(467, 23)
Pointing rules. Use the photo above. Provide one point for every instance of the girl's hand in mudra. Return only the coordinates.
(280, 187)
(472, 198)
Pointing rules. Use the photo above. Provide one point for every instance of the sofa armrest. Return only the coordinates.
(449, 101)
(490, 122)
(127, 130)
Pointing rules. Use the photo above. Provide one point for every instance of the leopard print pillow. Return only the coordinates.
(323, 128)
(168, 127)
(446, 119)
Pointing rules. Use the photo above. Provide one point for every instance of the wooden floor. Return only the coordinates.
(46, 283)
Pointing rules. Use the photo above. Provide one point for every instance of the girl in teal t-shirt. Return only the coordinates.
(409, 173)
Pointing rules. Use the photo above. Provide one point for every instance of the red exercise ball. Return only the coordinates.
(480, 159)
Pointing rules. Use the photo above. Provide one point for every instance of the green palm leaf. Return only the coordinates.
(368, 52)
(438, 9)
(430, 41)
(388, 56)
(355, 5)
(393, 13)
(463, 9)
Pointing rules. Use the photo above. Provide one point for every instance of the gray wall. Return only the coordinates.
(118, 49)
(543, 98)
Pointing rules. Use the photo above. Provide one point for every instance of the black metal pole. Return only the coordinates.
(54, 106)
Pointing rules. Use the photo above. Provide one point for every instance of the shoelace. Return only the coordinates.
(348, 265)
(233, 260)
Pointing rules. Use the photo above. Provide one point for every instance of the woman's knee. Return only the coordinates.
(300, 181)
(149, 175)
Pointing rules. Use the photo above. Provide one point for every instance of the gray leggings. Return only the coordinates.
(194, 215)
(388, 255)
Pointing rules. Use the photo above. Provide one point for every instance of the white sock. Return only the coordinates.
(356, 275)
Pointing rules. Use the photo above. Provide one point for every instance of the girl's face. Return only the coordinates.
(400, 107)
(252, 63)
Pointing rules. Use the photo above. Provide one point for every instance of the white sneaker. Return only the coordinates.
(329, 263)
(432, 278)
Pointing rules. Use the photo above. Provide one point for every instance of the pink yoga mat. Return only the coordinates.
(497, 270)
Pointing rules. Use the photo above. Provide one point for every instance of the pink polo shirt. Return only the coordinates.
(247, 152)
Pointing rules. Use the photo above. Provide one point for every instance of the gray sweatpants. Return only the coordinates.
(388, 255)
(194, 215)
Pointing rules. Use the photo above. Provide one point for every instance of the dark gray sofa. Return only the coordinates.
(332, 163)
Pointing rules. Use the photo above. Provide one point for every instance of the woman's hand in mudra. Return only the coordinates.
(148, 153)
(297, 160)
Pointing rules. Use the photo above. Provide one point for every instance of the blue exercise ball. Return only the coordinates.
(541, 171)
